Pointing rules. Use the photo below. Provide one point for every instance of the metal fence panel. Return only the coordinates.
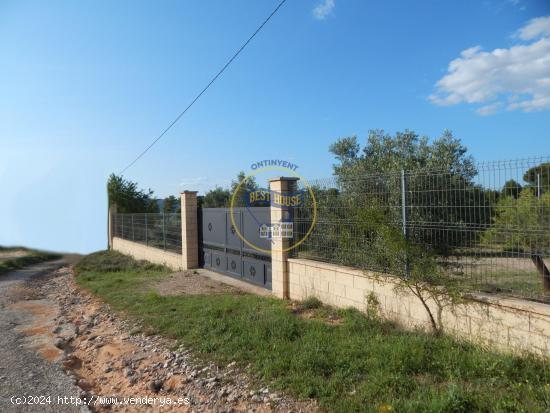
(491, 232)
(158, 230)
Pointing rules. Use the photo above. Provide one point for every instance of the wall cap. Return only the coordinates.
(511, 303)
(284, 178)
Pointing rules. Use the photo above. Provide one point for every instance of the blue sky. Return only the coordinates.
(85, 86)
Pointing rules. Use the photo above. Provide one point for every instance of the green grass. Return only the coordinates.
(31, 257)
(519, 282)
(359, 364)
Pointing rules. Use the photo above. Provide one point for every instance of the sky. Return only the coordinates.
(85, 86)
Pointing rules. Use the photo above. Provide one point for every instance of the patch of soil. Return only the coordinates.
(324, 314)
(190, 282)
(38, 326)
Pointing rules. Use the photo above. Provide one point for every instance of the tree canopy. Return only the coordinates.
(384, 153)
(221, 197)
(520, 224)
(539, 175)
(511, 188)
(171, 204)
(128, 198)
(439, 181)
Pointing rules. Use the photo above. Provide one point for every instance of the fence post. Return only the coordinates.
(404, 214)
(112, 218)
(189, 230)
(164, 230)
(133, 229)
(146, 239)
(279, 254)
(404, 202)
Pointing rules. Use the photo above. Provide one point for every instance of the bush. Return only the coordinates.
(310, 303)
(113, 261)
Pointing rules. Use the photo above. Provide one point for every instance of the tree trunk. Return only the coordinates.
(418, 294)
(543, 270)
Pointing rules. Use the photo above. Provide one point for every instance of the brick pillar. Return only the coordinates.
(111, 230)
(279, 257)
(189, 230)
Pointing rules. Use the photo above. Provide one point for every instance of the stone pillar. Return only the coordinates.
(110, 225)
(279, 257)
(189, 230)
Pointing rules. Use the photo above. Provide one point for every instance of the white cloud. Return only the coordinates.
(537, 27)
(489, 109)
(515, 78)
(323, 9)
(203, 184)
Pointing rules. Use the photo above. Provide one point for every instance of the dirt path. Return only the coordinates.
(24, 367)
(89, 352)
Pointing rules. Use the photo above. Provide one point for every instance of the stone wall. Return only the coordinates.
(503, 323)
(144, 252)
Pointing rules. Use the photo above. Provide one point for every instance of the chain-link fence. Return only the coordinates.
(489, 229)
(156, 230)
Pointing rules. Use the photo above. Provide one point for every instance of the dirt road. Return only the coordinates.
(59, 341)
(25, 372)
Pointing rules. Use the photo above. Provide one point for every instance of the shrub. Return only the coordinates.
(113, 261)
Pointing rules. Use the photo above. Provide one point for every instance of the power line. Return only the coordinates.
(207, 86)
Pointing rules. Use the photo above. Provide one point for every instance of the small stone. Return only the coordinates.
(155, 385)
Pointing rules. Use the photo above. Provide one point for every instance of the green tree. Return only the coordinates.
(511, 188)
(244, 185)
(422, 275)
(170, 204)
(221, 197)
(523, 224)
(128, 198)
(216, 198)
(384, 153)
(440, 184)
(539, 176)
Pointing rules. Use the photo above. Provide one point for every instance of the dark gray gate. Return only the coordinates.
(224, 251)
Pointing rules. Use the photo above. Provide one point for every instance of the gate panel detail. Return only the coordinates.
(225, 252)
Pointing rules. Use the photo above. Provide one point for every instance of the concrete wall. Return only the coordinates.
(507, 324)
(143, 252)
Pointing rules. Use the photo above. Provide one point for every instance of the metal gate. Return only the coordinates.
(224, 251)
